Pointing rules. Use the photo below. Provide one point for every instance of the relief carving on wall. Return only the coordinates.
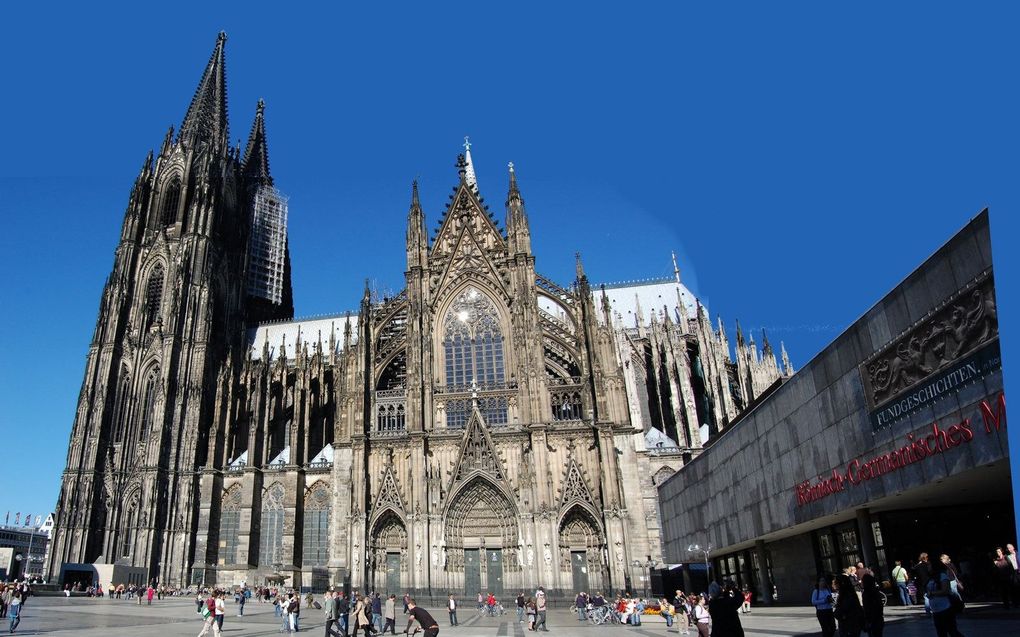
(962, 324)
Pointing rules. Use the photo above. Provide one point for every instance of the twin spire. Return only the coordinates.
(206, 119)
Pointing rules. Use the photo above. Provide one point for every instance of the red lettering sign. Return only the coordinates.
(938, 440)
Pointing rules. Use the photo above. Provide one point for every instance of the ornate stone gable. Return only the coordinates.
(575, 488)
(477, 454)
(389, 493)
(468, 241)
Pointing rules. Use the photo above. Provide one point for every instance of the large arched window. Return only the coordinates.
(316, 527)
(149, 402)
(230, 524)
(154, 294)
(171, 202)
(473, 341)
(271, 538)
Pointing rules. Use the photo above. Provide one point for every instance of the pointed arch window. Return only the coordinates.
(154, 294)
(315, 547)
(149, 402)
(171, 202)
(130, 526)
(271, 538)
(120, 411)
(473, 341)
(474, 357)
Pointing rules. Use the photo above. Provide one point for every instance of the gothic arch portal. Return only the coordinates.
(388, 552)
(481, 514)
(582, 548)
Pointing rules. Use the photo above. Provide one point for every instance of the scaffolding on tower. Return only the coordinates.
(268, 245)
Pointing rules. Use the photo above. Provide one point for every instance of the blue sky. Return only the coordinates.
(801, 158)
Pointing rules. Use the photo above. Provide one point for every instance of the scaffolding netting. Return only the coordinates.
(268, 244)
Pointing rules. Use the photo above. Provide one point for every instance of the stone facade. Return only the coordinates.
(485, 428)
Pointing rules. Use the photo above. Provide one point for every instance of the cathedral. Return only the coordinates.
(486, 428)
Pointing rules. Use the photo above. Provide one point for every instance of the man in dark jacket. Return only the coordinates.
(343, 610)
(723, 605)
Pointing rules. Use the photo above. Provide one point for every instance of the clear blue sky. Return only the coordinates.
(800, 157)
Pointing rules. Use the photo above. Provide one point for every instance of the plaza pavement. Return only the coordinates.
(83, 617)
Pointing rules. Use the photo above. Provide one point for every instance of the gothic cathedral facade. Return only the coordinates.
(483, 429)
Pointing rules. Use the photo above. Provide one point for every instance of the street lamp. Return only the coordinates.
(705, 551)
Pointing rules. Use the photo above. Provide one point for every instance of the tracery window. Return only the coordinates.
(473, 341)
(391, 417)
(171, 202)
(566, 405)
(130, 524)
(230, 523)
(316, 527)
(271, 537)
(120, 412)
(153, 294)
(149, 402)
(474, 356)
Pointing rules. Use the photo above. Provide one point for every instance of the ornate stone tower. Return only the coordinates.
(169, 331)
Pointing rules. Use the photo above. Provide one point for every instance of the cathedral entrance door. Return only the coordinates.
(579, 568)
(393, 573)
(472, 573)
(494, 568)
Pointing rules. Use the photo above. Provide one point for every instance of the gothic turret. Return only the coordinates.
(517, 227)
(417, 235)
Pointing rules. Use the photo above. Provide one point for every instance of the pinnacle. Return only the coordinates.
(256, 153)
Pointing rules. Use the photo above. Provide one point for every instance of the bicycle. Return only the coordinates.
(495, 610)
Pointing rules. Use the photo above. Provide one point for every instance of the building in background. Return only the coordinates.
(23, 549)
(486, 428)
(891, 442)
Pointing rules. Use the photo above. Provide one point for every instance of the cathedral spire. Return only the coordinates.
(417, 238)
(469, 168)
(207, 115)
(517, 227)
(787, 366)
(676, 268)
(579, 267)
(256, 154)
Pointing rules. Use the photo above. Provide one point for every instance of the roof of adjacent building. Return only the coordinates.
(312, 331)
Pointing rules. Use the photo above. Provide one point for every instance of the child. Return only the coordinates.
(746, 608)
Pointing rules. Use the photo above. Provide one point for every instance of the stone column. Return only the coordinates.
(866, 538)
(765, 594)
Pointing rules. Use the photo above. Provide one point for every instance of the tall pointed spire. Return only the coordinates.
(207, 115)
(469, 168)
(579, 267)
(676, 268)
(417, 237)
(256, 153)
(517, 228)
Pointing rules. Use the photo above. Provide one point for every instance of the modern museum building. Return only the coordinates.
(890, 442)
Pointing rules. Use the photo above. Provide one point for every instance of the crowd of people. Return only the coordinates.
(853, 602)
(12, 601)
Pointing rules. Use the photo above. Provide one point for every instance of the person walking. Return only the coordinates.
(821, 599)
(240, 603)
(521, 600)
(361, 609)
(900, 577)
(702, 617)
(294, 611)
(849, 614)
(872, 603)
(390, 614)
(208, 616)
(149, 593)
(329, 611)
(940, 601)
(451, 607)
(530, 607)
(221, 609)
(377, 618)
(343, 609)
(14, 611)
(540, 610)
(922, 572)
